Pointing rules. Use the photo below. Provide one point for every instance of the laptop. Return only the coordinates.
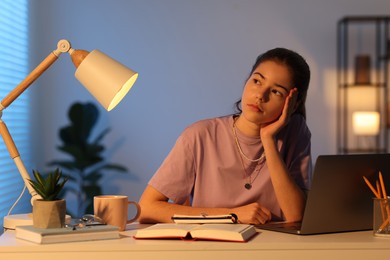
(339, 200)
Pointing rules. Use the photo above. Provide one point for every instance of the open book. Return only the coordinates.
(224, 232)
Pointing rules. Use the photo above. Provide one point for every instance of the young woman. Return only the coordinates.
(256, 164)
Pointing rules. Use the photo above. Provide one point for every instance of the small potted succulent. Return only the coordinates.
(50, 211)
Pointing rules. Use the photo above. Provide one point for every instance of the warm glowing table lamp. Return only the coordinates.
(106, 79)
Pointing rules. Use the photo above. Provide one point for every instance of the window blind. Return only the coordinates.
(13, 69)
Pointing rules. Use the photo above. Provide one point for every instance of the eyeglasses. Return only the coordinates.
(84, 221)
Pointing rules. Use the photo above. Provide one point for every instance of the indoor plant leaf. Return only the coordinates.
(87, 163)
(48, 188)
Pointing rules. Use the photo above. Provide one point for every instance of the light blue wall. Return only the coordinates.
(193, 58)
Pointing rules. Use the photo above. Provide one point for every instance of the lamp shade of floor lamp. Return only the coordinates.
(366, 123)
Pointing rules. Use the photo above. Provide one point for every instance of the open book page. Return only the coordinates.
(163, 230)
(228, 232)
(235, 232)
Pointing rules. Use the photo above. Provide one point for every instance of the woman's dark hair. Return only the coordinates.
(298, 68)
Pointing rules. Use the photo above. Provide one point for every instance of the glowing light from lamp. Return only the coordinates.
(366, 122)
(105, 78)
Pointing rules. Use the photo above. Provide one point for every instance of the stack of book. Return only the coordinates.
(61, 235)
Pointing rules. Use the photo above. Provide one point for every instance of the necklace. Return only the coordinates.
(239, 146)
(248, 184)
(257, 168)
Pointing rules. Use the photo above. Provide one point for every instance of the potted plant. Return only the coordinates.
(50, 211)
(87, 161)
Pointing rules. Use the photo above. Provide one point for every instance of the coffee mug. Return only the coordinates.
(113, 210)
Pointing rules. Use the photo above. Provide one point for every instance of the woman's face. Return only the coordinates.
(265, 92)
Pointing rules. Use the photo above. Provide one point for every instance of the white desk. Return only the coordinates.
(266, 245)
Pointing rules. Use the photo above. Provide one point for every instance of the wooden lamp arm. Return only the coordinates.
(9, 142)
(38, 71)
(62, 46)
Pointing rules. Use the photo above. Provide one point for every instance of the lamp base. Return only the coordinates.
(11, 221)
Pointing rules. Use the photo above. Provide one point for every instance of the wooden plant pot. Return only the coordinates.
(49, 214)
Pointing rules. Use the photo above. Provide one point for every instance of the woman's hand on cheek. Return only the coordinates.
(271, 129)
(289, 106)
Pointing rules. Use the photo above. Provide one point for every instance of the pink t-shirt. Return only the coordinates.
(205, 165)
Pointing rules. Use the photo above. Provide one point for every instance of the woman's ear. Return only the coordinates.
(297, 105)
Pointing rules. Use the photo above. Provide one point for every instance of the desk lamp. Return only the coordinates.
(106, 79)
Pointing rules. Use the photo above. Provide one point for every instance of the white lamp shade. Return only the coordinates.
(105, 78)
(366, 123)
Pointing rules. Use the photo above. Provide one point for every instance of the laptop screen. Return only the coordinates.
(339, 200)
